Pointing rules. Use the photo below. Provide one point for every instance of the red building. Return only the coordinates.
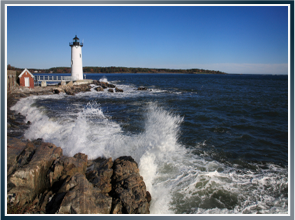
(26, 79)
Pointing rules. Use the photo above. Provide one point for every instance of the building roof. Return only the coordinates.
(25, 70)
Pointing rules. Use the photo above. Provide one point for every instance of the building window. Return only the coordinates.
(80, 56)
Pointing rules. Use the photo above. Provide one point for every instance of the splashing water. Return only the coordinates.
(103, 79)
(95, 135)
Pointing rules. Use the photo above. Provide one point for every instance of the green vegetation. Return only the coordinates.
(114, 69)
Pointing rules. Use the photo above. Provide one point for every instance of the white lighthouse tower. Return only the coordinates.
(76, 59)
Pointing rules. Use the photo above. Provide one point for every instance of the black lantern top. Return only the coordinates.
(76, 42)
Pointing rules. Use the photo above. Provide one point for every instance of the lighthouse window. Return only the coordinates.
(80, 55)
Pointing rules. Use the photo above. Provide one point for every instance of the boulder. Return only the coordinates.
(84, 87)
(99, 89)
(110, 90)
(100, 174)
(111, 85)
(40, 180)
(104, 85)
(69, 91)
(30, 179)
(129, 190)
(76, 89)
(141, 88)
(118, 90)
(70, 84)
(81, 197)
(67, 167)
(23, 95)
(14, 148)
(26, 155)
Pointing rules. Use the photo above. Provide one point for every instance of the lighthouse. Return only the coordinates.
(76, 59)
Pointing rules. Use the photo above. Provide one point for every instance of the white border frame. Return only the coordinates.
(159, 5)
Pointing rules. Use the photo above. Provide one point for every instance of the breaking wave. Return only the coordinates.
(179, 181)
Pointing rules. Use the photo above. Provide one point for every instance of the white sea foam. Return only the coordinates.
(178, 180)
(103, 79)
(129, 90)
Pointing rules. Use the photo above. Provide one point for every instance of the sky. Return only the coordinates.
(232, 39)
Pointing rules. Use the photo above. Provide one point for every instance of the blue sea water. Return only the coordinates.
(205, 144)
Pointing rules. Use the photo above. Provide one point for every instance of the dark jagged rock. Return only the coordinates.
(23, 95)
(41, 184)
(148, 197)
(30, 179)
(129, 191)
(84, 87)
(111, 85)
(110, 90)
(66, 167)
(118, 90)
(100, 174)
(69, 91)
(104, 85)
(74, 89)
(81, 197)
(14, 148)
(99, 89)
(26, 155)
(141, 88)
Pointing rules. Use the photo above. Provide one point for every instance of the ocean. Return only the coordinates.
(205, 144)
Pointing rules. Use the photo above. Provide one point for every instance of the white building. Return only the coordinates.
(76, 59)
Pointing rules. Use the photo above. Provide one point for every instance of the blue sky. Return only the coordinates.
(233, 39)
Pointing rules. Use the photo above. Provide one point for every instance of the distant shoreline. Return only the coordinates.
(112, 69)
(153, 73)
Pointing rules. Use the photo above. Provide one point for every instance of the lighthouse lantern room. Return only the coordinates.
(76, 59)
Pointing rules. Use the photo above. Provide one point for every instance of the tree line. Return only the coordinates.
(113, 69)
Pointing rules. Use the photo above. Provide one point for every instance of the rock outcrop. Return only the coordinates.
(72, 90)
(129, 190)
(100, 172)
(118, 90)
(41, 180)
(30, 179)
(105, 85)
(142, 88)
(99, 89)
(111, 85)
(81, 197)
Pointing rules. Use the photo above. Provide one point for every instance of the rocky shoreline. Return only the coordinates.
(41, 180)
